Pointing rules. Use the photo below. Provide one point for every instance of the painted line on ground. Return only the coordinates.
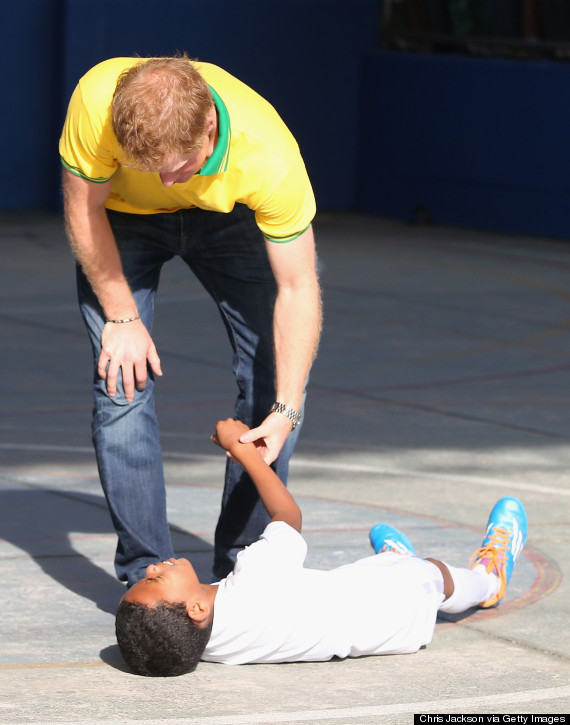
(323, 465)
(359, 468)
(464, 705)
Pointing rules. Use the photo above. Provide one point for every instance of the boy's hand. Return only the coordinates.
(228, 433)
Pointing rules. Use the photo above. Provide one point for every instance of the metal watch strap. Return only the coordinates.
(288, 412)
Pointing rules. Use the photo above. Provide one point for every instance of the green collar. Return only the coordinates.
(218, 161)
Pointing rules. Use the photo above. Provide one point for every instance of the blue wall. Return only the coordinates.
(469, 142)
(466, 141)
(30, 45)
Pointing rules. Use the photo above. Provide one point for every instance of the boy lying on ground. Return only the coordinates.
(272, 609)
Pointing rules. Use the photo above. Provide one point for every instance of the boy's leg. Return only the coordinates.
(468, 588)
(227, 253)
(125, 435)
(448, 582)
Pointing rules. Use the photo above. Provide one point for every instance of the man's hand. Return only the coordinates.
(127, 347)
(269, 437)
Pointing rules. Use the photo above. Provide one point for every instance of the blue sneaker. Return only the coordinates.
(504, 540)
(386, 538)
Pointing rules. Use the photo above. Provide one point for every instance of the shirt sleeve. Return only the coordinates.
(288, 210)
(280, 546)
(87, 143)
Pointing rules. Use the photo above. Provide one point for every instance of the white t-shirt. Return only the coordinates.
(271, 609)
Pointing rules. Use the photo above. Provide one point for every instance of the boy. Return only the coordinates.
(271, 609)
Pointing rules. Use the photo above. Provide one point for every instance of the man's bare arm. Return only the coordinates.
(297, 326)
(128, 346)
(94, 245)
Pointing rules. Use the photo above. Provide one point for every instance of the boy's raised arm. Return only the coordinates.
(279, 503)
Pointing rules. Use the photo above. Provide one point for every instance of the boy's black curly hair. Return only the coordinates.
(160, 641)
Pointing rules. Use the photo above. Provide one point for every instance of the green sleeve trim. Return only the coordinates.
(77, 172)
(284, 240)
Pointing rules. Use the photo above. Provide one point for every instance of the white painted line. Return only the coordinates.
(359, 468)
(326, 465)
(462, 705)
(40, 447)
(82, 450)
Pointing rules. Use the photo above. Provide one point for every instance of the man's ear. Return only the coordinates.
(210, 120)
(198, 610)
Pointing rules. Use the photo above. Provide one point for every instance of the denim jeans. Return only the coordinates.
(227, 254)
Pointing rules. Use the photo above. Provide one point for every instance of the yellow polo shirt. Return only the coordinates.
(256, 160)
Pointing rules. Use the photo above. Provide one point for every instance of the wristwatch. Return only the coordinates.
(288, 412)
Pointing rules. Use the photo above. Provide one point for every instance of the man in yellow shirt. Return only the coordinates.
(165, 157)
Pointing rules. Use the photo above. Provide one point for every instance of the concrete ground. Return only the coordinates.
(442, 384)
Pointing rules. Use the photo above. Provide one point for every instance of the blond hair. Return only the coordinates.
(159, 109)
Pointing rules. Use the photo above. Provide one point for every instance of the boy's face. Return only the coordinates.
(169, 581)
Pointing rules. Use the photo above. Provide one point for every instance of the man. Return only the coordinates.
(166, 157)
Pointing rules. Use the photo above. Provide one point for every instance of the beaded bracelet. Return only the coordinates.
(126, 319)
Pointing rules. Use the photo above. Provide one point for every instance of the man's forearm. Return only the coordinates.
(297, 326)
(296, 332)
(125, 349)
(94, 246)
(297, 315)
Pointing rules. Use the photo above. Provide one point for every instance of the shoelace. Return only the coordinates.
(395, 547)
(493, 557)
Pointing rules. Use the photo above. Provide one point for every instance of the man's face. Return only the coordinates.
(180, 169)
(169, 581)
